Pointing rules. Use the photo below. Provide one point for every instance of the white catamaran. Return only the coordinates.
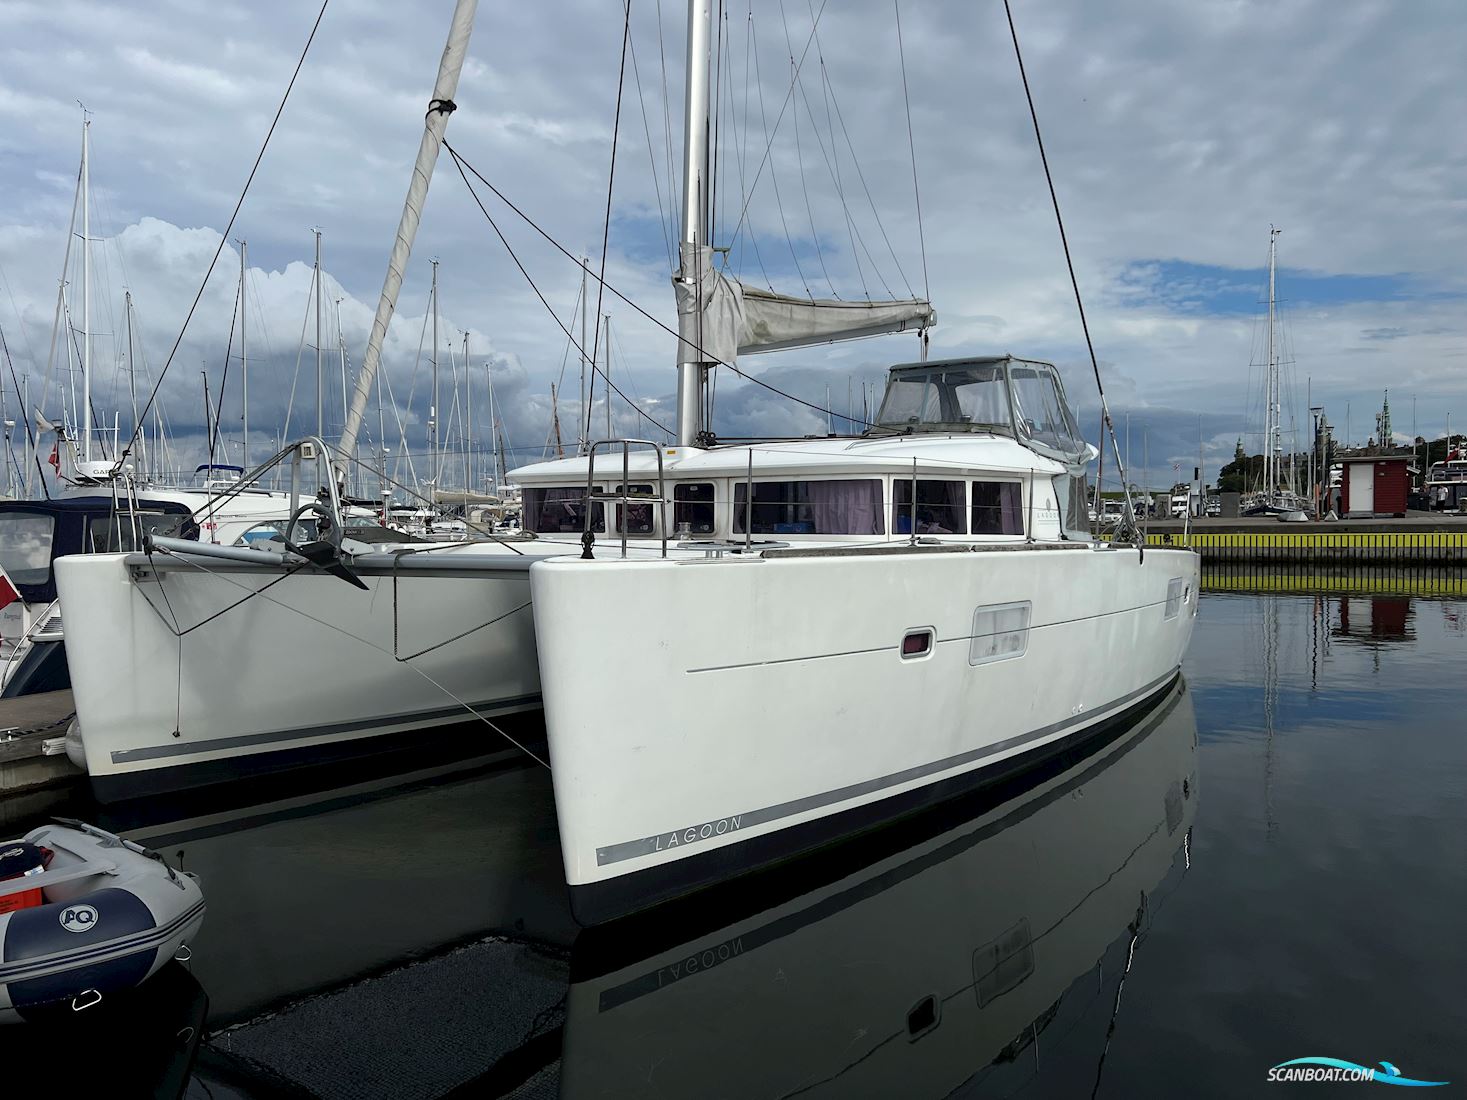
(873, 624)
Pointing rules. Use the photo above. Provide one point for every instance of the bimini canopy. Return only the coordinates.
(725, 319)
(1021, 398)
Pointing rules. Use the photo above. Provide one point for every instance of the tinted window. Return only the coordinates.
(998, 508)
(693, 505)
(560, 511)
(812, 507)
(25, 546)
(941, 507)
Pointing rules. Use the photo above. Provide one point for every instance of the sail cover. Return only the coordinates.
(719, 318)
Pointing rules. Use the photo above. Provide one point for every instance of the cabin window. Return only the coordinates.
(811, 507)
(1039, 409)
(1000, 632)
(638, 514)
(998, 508)
(693, 505)
(114, 534)
(25, 546)
(560, 511)
(941, 507)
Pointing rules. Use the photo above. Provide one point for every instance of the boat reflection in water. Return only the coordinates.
(987, 955)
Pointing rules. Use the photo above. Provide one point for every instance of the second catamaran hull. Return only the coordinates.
(708, 717)
(186, 674)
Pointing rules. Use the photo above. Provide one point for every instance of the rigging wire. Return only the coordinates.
(769, 144)
(224, 237)
(462, 164)
(621, 77)
(652, 158)
(800, 156)
(1107, 424)
(912, 146)
(30, 435)
(673, 200)
(773, 175)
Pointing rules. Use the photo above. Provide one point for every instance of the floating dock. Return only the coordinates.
(1418, 539)
(31, 760)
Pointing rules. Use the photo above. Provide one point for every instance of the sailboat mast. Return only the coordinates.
(132, 380)
(555, 421)
(692, 371)
(468, 420)
(433, 428)
(244, 361)
(434, 124)
(606, 320)
(320, 394)
(86, 292)
(583, 419)
(1270, 463)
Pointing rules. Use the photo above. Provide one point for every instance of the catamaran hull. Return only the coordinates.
(186, 674)
(706, 718)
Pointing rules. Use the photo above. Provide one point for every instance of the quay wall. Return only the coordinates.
(1402, 543)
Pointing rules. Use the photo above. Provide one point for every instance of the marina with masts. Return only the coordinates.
(931, 745)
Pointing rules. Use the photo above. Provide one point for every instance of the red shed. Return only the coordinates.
(1375, 485)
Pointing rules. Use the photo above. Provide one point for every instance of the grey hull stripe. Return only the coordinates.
(707, 830)
(364, 726)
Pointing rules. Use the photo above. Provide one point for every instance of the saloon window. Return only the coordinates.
(811, 507)
(941, 507)
(25, 546)
(638, 514)
(693, 505)
(998, 508)
(560, 511)
(114, 534)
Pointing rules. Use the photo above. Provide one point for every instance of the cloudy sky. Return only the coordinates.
(1177, 134)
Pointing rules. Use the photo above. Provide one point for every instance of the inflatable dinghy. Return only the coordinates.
(85, 913)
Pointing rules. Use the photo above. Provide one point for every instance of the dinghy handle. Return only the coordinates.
(112, 840)
(184, 953)
(87, 998)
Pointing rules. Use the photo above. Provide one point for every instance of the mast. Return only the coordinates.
(493, 425)
(86, 292)
(606, 319)
(692, 370)
(468, 420)
(320, 396)
(583, 416)
(1270, 461)
(502, 455)
(555, 421)
(244, 362)
(434, 433)
(132, 380)
(436, 121)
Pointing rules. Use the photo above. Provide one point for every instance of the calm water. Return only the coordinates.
(1267, 865)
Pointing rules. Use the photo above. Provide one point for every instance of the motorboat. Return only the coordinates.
(84, 914)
